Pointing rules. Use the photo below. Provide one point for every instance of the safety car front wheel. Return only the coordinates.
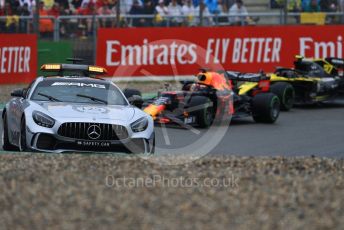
(6, 145)
(142, 146)
(22, 138)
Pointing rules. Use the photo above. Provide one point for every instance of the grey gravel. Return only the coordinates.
(42, 191)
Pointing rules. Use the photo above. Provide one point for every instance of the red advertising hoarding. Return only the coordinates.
(18, 58)
(182, 51)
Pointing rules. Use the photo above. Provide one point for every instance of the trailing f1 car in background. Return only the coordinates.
(72, 111)
(312, 81)
(253, 97)
(250, 82)
(199, 103)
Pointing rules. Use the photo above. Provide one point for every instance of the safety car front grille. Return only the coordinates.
(83, 131)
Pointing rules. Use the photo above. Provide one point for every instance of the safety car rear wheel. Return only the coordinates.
(265, 108)
(285, 93)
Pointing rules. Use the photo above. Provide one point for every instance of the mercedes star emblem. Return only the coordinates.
(94, 132)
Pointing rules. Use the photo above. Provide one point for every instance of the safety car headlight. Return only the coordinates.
(140, 125)
(42, 119)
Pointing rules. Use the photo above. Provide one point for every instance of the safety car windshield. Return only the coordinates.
(78, 91)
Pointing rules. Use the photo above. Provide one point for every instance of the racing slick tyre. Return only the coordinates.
(128, 93)
(205, 115)
(285, 93)
(134, 97)
(6, 145)
(265, 108)
(22, 138)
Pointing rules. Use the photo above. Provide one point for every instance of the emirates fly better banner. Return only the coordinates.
(182, 51)
(18, 58)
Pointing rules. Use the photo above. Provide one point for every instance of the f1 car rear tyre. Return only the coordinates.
(131, 92)
(205, 115)
(6, 145)
(265, 108)
(285, 93)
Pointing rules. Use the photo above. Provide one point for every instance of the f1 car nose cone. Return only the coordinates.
(94, 132)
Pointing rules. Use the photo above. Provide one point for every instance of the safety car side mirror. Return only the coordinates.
(18, 93)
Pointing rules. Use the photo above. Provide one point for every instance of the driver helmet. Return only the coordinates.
(205, 78)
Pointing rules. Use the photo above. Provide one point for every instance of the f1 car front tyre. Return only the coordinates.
(285, 93)
(265, 108)
(134, 97)
(6, 145)
(205, 114)
(128, 93)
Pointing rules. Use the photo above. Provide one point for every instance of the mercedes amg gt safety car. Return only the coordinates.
(199, 103)
(253, 97)
(71, 110)
(310, 81)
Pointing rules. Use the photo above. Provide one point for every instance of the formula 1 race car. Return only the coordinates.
(206, 100)
(71, 110)
(199, 103)
(253, 97)
(310, 81)
(250, 82)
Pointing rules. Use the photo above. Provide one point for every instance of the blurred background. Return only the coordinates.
(72, 24)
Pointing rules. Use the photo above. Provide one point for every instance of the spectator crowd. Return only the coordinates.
(312, 5)
(147, 13)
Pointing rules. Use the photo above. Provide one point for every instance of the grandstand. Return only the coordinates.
(78, 20)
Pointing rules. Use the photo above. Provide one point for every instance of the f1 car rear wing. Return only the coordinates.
(245, 77)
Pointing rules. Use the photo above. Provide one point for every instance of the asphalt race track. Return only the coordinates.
(303, 131)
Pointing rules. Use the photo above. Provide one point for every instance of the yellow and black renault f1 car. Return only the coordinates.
(199, 103)
(249, 84)
(253, 97)
(310, 81)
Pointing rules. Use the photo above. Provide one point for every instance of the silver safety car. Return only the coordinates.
(71, 110)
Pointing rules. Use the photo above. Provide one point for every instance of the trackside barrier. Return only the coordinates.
(146, 52)
(18, 58)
